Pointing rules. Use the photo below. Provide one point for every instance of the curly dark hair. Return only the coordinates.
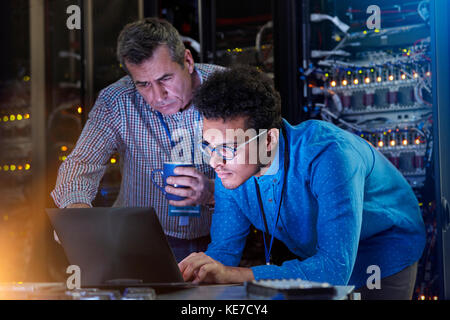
(138, 40)
(241, 91)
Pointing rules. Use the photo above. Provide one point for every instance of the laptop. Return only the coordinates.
(117, 247)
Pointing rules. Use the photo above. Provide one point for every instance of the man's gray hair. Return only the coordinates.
(138, 40)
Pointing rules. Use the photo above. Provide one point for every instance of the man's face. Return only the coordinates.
(163, 83)
(234, 172)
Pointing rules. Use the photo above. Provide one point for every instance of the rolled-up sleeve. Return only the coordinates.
(80, 174)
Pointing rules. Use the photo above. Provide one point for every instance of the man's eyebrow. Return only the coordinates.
(166, 75)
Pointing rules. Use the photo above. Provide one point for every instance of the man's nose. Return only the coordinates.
(215, 160)
(159, 93)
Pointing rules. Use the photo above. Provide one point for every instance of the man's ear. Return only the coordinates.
(273, 136)
(189, 60)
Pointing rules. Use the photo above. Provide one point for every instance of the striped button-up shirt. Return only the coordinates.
(121, 121)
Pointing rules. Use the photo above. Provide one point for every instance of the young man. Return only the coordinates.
(141, 116)
(337, 204)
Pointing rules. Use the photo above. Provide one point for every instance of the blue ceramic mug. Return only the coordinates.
(167, 171)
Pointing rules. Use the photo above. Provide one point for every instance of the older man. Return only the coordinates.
(141, 117)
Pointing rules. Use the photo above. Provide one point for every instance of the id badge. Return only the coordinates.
(188, 211)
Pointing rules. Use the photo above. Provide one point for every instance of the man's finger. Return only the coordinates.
(183, 181)
(203, 272)
(55, 236)
(182, 192)
(193, 264)
(185, 262)
(187, 171)
(193, 267)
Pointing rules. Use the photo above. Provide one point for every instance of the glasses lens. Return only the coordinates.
(226, 152)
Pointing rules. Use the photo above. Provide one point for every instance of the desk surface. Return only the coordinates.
(58, 291)
(229, 292)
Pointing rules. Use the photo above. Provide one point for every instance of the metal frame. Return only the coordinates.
(207, 30)
(141, 9)
(87, 52)
(38, 137)
(440, 26)
(291, 53)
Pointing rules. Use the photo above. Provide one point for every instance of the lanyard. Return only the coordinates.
(280, 199)
(172, 143)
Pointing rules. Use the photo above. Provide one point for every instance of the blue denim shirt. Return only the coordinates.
(345, 207)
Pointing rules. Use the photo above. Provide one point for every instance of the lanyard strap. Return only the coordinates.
(280, 199)
(166, 128)
(261, 207)
(172, 143)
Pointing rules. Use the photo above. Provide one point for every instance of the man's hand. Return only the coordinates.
(198, 267)
(198, 188)
(78, 205)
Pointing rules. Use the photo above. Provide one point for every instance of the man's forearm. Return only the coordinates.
(240, 275)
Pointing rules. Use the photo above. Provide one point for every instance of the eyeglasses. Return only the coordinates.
(226, 152)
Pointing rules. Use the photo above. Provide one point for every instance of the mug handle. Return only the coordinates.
(154, 181)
